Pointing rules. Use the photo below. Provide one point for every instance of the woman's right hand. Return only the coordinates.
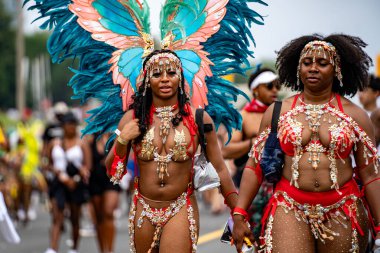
(130, 130)
(240, 231)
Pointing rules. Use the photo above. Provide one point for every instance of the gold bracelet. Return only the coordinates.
(122, 141)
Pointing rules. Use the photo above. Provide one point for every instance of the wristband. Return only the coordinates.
(377, 229)
(240, 211)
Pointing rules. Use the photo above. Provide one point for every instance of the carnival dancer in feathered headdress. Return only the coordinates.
(153, 95)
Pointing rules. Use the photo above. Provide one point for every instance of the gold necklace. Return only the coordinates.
(166, 115)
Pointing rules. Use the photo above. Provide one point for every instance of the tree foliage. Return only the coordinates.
(7, 60)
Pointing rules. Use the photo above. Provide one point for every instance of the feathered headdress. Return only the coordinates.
(111, 38)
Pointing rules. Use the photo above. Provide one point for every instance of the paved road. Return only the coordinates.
(35, 238)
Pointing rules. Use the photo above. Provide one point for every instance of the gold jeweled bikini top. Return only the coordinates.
(149, 152)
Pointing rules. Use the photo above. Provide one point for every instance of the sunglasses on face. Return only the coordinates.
(272, 85)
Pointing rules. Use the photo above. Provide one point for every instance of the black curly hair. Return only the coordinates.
(142, 104)
(354, 62)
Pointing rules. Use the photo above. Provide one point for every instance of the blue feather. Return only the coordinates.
(130, 64)
(191, 63)
(114, 12)
(91, 79)
(234, 30)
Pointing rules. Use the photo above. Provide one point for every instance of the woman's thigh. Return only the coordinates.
(176, 233)
(143, 236)
(291, 235)
(343, 242)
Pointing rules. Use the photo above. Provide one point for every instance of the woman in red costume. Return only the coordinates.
(161, 129)
(317, 205)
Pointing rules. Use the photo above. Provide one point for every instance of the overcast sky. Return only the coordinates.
(288, 19)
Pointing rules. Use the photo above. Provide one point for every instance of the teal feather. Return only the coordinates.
(234, 30)
(115, 17)
(130, 63)
(91, 79)
(142, 14)
(191, 63)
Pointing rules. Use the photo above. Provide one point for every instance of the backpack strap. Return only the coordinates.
(201, 131)
(275, 116)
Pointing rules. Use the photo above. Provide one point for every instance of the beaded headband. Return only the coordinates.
(157, 62)
(325, 49)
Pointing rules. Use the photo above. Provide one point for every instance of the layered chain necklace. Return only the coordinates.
(314, 114)
(166, 115)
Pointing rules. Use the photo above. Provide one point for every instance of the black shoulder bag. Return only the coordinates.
(272, 158)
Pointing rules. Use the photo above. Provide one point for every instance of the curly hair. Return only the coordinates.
(354, 62)
(142, 104)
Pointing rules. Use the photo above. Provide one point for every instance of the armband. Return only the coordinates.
(258, 172)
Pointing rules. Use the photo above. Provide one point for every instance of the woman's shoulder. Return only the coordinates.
(356, 113)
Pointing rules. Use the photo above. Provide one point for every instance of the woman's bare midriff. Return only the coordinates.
(318, 180)
(174, 185)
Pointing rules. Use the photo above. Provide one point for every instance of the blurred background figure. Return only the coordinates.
(264, 87)
(29, 175)
(70, 160)
(368, 97)
(375, 118)
(53, 130)
(104, 194)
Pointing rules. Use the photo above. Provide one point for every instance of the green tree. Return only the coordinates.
(7, 60)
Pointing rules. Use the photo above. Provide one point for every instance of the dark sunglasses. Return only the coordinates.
(272, 84)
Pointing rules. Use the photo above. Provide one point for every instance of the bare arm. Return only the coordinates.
(216, 158)
(237, 146)
(367, 172)
(249, 187)
(129, 130)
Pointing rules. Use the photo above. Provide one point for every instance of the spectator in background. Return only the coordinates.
(368, 97)
(375, 118)
(70, 160)
(264, 86)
